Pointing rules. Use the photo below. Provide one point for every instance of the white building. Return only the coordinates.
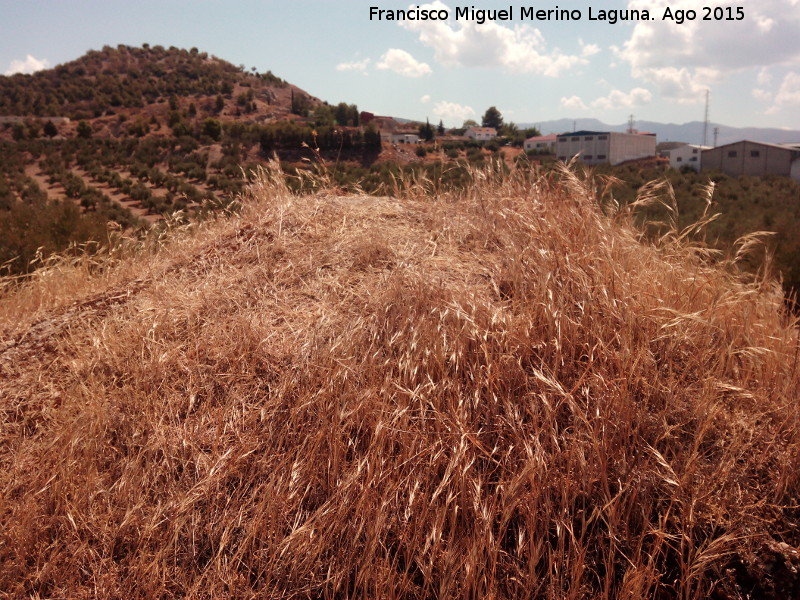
(598, 147)
(685, 155)
(542, 143)
(404, 136)
(481, 134)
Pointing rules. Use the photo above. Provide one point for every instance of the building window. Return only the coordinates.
(562, 139)
(602, 137)
(601, 157)
(576, 139)
(562, 158)
(694, 150)
(732, 154)
(588, 157)
(588, 138)
(755, 153)
(693, 159)
(679, 159)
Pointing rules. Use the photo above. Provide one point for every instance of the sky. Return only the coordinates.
(532, 69)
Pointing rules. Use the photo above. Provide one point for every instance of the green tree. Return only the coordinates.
(346, 114)
(84, 130)
(492, 118)
(509, 129)
(18, 132)
(324, 115)
(342, 114)
(372, 138)
(440, 129)
(139, 128)
(181, 128)
(300, 104)
(213, 129)
(50, 130)
(531, 132)
(426, 131)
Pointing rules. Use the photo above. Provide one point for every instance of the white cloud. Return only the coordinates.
(789, 92)
(685, 85)
(452, 112)
(357, 65)
(764, 23)
(425, 99)
(403, 63)
(762, 95)
(588, 50)
(29, 65)
(682, 60)
(573, 102)
(619, 99)
(468, 44)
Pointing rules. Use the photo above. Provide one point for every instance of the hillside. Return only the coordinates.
(129, 79)
(499, 392)
(129, 136)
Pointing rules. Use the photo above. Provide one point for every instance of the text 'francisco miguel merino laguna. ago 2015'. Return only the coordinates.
(530, 13)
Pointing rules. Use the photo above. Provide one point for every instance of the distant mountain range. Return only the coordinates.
(671, 132)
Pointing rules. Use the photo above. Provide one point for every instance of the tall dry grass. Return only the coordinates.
(499, 393)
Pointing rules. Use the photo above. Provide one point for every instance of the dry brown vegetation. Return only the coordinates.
(500, 393)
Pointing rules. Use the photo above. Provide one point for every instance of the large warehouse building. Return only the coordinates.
(753, 158)
(597, 147)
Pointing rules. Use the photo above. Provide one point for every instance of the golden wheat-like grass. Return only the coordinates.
(495, 393)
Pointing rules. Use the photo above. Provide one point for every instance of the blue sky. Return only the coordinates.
(532, 70)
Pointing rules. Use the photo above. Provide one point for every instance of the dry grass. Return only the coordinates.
(496, 394)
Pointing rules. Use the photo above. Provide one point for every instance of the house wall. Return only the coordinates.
(751, 158)
(688, 155)
(605, 147)
(405, 138)
(546, 145)
(626, 146)
(593, 148)
(794, 171)
(479, 135)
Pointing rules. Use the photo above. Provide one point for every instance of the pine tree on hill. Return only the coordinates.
(492, 118)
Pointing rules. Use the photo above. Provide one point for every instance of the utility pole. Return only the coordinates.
(631, 128)
(705, 123)
(716, 133)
